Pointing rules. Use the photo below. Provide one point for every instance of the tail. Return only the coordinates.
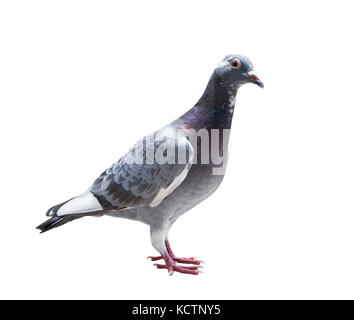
(78, 207)
(56, 222)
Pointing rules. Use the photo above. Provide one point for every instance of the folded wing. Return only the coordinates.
(135, 181)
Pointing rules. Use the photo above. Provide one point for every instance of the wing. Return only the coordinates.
(147, 174)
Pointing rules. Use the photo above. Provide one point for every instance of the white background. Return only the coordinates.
(81, 81)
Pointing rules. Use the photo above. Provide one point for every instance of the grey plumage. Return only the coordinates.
(127, 183)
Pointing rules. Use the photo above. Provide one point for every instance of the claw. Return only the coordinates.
(200, 261)
(197, 259)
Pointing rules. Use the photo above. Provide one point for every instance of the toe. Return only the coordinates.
(154, 258)
(188, 261)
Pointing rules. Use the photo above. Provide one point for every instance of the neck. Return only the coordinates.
(214, 110)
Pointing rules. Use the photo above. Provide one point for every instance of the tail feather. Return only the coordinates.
(83, 205)
(54, 222)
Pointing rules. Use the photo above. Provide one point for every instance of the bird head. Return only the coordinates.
(237, 70)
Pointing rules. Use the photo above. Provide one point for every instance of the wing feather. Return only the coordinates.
(128, 183)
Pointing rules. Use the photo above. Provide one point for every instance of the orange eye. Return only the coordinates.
(235, 63)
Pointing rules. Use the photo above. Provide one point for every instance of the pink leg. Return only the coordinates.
(172, 266)
(171, 262)
(191, 260)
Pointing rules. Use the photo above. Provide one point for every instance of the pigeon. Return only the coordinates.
(169, 171)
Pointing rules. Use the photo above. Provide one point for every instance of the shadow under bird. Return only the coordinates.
(169, 171)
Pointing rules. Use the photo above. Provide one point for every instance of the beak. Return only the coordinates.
(254, 78)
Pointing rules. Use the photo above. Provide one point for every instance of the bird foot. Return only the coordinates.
(171, 267)
(192, 260)
(171, 262)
